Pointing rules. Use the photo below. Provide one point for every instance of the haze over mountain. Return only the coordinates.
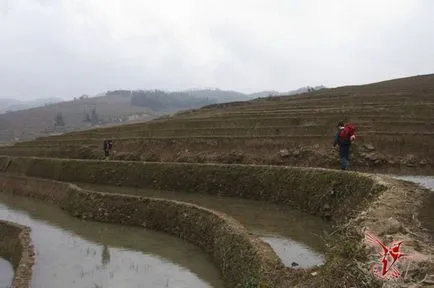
(277, 93)
(393, 120)
(15, 105)
(106, 108)
(61, 49)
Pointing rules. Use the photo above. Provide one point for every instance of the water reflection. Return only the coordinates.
(294, 236)
(76, 253)
(105, 256)
(292, 252)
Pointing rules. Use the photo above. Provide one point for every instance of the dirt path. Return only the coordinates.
(397, 216)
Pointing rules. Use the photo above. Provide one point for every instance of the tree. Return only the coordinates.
(58, 120)
(94, 116)
(87, 118)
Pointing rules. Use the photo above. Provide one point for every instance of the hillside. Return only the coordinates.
(111, 108)
(15, 105)
(394, 120)
(293, 92)
(219, 95)
(30, 123)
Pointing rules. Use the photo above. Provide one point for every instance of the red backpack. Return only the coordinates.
(347, 132)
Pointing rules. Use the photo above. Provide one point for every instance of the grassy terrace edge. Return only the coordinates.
(16, 247)
(240, 257)
(353, 201)
(322, 192)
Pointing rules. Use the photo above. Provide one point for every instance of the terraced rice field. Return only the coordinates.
(395, 131)
(394, 121)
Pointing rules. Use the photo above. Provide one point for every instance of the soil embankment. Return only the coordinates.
(394, 127)
(294, 150)
(393, 119)
(426, 214)
(16, 247)
(240, 257)
(321, 192)
(296, 237)
(357, 202)
(74, 253)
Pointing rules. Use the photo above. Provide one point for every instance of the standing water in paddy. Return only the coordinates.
(6, 273)
(294, 236)
(425, 181)
(74, 253)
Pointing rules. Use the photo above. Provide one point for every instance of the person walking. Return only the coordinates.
(108, 144)
(344, 137)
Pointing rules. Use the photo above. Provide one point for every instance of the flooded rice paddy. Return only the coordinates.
(74, 253)
(294, 236)
(6, 273)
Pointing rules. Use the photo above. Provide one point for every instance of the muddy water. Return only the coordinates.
(294, 236)
(6, 273)
(426, 213)
(76, 253)
(426, 181)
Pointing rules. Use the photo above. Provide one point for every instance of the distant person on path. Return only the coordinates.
(106, 151)
(107, 147)
(344, 137)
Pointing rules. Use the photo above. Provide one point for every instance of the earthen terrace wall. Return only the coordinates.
(318, 191)
(15, 246)
(240, 257)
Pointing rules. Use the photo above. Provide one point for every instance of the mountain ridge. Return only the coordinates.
(113, 107)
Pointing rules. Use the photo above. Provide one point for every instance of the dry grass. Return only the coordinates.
(356, 201)
(394, 117)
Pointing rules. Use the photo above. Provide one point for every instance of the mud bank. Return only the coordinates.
(357, 202)
(426, 214)
(295, 236)
(74, 253)
(241, 258)
(321, 192)
(396, 216)
(282, 154)
(15, 246)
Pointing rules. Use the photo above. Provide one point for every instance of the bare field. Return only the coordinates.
(395, 133)
(394, 121)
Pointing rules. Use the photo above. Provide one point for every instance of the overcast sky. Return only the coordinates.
(65, 48)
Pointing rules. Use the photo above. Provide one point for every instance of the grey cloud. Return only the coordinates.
(67, 48)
